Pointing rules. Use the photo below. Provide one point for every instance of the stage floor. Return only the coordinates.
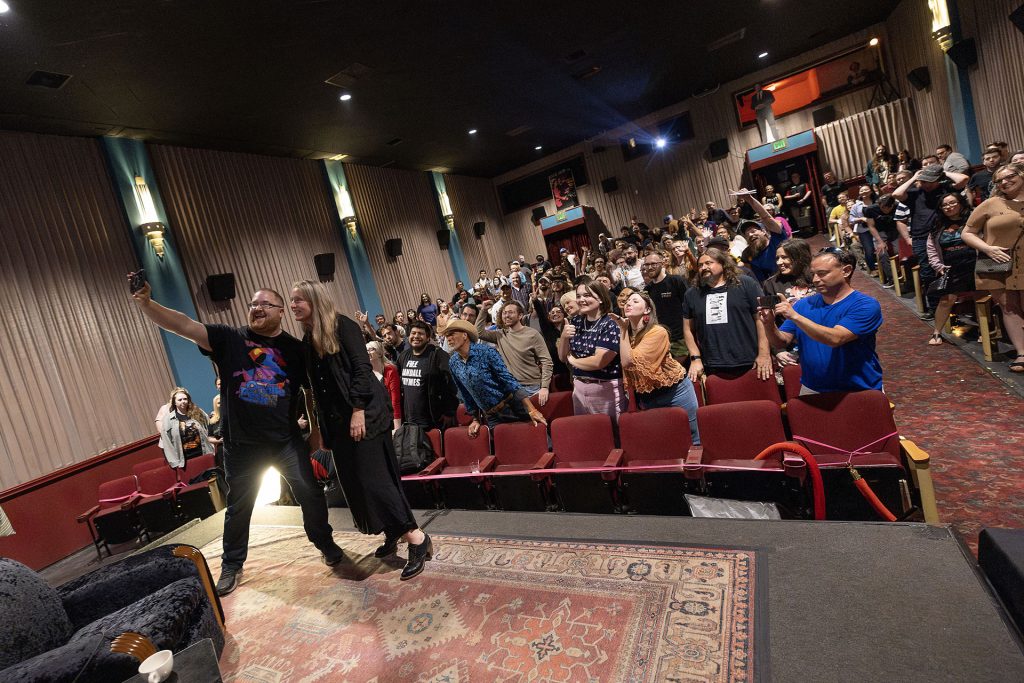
(847, 601)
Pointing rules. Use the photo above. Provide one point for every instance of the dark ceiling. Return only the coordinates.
(250, 76)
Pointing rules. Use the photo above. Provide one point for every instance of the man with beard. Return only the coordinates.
(394, 345)
(262, 370)
(428, 392)
(834, 329)
(630, 274)
(720, 322)
(763, 239)
(830, 192)
(667, 293)
(522, 348)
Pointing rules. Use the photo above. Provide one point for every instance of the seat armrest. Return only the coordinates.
(614, 458)
(84, 517)
(914, 452)
(132, 501)
(488, 463)
(693, 468)
(794, 466)
(434, 467)
(545, 461)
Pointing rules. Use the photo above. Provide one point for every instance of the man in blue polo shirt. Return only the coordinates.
(834, 329)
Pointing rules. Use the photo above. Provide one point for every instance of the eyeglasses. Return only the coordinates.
(656, 264)
(262, 304)
(1006, 178)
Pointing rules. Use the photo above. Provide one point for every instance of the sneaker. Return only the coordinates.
(228, 581)
(332, 554)
(928, 315)
(887, 285)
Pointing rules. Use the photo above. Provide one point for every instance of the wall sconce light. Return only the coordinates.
(154, 232)
(449, 220)
(350, 223)
(941, 30)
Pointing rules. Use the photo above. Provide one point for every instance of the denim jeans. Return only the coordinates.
(868, 242)
(920, 246)
(680, 395)
(244, 466)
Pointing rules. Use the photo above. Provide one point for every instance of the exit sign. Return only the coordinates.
(779, 145)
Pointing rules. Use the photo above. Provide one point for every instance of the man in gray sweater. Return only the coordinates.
(521, 347)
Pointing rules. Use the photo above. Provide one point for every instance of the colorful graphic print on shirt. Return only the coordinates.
(267, 380)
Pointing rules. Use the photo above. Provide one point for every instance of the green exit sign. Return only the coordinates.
(779, 145)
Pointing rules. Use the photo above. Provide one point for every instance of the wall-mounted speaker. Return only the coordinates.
(444, 237)
(479, 228)
(919, 78)
(393, 247)
(718, 149)
(221, 286)
(1017, 17)
(823, 115)
(324, 266)
(610, 185)
(538, 213)
(964, 53)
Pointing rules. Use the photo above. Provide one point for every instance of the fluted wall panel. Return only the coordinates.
(393, 203)
(996, 81)
(261, 218)
(81, 370)
(844, 142)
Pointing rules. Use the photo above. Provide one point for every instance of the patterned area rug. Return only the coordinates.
(491, 609)
(970, 423)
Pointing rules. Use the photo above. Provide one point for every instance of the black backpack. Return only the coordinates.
(412, 446)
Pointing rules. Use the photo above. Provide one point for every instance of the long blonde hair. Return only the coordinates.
(194, 412)
(323, 326)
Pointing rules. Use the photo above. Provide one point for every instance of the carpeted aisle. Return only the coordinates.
(970, 423)
(493, 609)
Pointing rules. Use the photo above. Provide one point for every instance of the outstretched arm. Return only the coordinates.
(171, 320)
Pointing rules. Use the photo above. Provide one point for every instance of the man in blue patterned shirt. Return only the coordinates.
(488, 390)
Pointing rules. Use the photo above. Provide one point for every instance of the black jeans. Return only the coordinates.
(244, 466)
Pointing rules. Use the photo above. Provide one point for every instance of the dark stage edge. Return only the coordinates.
(847, 601)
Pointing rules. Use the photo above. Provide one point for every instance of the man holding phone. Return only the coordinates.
(834, 329)
(262, 370)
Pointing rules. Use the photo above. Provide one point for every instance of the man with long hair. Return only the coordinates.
(720, 323)
(263, 375)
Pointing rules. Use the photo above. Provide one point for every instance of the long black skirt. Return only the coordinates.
(368, 472)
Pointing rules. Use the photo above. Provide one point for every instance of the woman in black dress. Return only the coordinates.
(951, 258)
(354, 415)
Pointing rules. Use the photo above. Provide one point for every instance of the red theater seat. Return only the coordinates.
(521, 446)
(113, 519)
(460, 455)
(585, 441)
(559, 405)
(722, 388)
(656, 437)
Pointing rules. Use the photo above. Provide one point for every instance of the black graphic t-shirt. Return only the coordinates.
(191, 442)
(415, 404)
(260, 381)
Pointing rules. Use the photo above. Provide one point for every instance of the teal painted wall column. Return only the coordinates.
(961, 100)
(135, 183)
(444, 209)
(355, 249)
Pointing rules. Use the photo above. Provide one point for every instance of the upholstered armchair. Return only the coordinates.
(64, 634)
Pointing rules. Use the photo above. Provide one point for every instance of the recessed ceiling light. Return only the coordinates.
(4, 7)
(762, 55)
(472, 131)
(539, 147)
(345, 97)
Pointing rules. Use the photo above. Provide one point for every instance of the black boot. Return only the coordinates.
(388, 548)
(418, 557)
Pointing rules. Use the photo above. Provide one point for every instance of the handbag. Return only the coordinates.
(986, 266)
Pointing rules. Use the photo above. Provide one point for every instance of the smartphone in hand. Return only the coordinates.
(137, 280)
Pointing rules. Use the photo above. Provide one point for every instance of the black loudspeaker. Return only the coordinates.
(393, 247)
(538, 213)
(1017, 17)
(920, 78)
(324, 266)
(479, 228)
(718, 149)
(221, 287)
(823, 115)
(443, 238)
(610, 185)
(964, 53)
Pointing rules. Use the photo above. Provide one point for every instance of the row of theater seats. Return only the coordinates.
(154, 499)
(840, 429)
(715, 389)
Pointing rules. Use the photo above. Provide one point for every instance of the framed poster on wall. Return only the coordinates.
(813, 85)
(563, 189)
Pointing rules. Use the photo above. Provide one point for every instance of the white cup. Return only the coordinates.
(157, 668)
(474, 466)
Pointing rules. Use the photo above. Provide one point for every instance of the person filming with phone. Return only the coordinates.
(834, 329)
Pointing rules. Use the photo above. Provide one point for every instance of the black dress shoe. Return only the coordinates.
(228, 581)
(388, 548)
(332, 554)
(418, 557)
